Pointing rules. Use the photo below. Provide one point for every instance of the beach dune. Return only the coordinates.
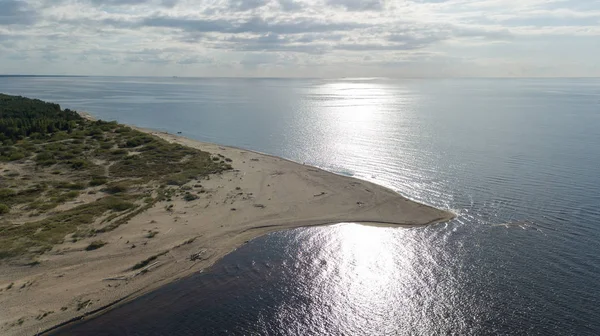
(173, 239)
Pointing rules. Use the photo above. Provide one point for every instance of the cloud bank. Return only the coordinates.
(316, 38)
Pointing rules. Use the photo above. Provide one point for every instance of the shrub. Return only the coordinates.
(123, 129)
(115, 188)
(79, 164)
(137, 141)
(118, 152)
(77, 150)
(16, 156)
(45, 159)
(44, 156)
(190, 197)
(95, 245)
(106, 145)
(67, 156)
(96, 181)
(4, 209)
(93, 131)
(117, 204)
(59, 136)
(6, 193)
(71, 194)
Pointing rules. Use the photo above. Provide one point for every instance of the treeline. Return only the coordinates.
(22, 117)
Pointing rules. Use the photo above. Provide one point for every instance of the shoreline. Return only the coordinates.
(263, 194)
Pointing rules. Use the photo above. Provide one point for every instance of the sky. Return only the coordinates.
(301, 38)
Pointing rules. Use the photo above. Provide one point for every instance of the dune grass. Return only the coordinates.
(70, 157)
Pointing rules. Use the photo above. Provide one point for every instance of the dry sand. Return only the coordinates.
(261, 195)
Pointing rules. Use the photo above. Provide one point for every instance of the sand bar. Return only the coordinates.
(261, 194)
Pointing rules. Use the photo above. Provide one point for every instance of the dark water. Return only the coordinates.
(523, 152)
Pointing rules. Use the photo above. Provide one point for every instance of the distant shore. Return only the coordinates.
(262, 194)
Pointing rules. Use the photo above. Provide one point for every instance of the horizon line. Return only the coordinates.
(281, 77)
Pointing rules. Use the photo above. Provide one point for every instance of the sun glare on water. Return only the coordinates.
(358, 278)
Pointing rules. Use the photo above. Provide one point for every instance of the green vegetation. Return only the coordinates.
(116, 188)
(190, 197)
(40, 236)
(55, 156)
(95, 245)
(23, 117)
(98, 180)
(118, 204)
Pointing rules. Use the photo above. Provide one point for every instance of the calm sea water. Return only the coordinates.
(517, 160)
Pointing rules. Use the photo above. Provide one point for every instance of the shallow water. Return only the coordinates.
(515, 159)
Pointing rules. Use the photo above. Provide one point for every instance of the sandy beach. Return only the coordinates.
(261, 194)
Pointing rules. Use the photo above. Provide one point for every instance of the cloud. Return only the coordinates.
(165, 3)
(16, 12)
(254, 25)
(195, 60)
(336, 36)
(358, 5)
(291, 5)
(246, 5)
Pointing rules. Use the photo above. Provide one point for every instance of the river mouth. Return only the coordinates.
(346, 279)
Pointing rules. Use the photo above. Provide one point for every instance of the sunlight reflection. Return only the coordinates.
(353, 107)
(355, 118)
(370, 276)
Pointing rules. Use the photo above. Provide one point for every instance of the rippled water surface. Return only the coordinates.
(517, 160)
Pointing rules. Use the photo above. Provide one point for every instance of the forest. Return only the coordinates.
(22, 117)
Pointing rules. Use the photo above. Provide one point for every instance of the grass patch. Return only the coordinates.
(190, 197)
(38, 237)
(117, 204)
(95, 245)
(6, 194)
(116, 188)
(98, 181)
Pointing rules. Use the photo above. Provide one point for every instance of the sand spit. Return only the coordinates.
(261, 194)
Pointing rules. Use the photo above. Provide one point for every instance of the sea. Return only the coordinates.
(517, 160)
